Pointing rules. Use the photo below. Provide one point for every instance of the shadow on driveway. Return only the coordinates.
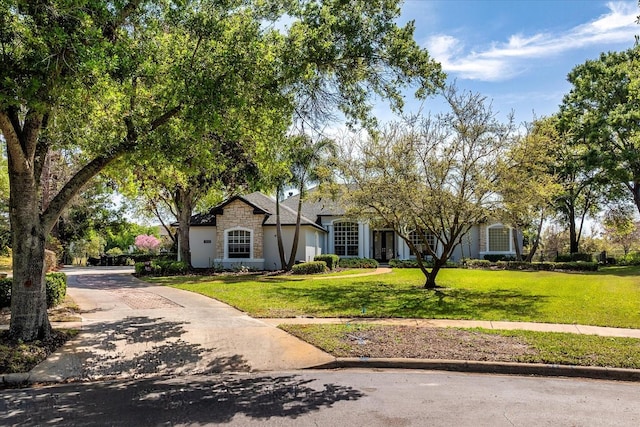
(138, 347)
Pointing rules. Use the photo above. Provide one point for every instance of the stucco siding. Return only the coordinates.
(470, 246)
(307, 248)
(202, 241)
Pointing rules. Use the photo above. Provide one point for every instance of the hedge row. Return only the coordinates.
(330, 259)
(412, 263)
(536, 266)
(505, 265)
(161, 268)
(574, 257)
(56, 284)
(311, 267)
(358, 263)
(129, 259)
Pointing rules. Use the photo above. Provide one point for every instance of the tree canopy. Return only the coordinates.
(101, 79)
(432, 180)
(603, 108)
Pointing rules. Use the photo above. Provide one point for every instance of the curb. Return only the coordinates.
(16, 380)
(508, 368)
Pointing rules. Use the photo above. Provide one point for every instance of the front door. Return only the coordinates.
(383, 245)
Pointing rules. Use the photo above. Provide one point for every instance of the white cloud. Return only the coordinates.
(503, 60)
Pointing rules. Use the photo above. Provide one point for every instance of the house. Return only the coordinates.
(242, 232)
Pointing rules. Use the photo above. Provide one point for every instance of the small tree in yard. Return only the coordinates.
(620, 227)
(430, 180)
(147, 243)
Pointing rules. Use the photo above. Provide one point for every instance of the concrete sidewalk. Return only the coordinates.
(486, 324)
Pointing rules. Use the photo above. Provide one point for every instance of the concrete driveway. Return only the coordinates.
(131, 329)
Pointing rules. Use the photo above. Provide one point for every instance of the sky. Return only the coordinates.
(516, 53)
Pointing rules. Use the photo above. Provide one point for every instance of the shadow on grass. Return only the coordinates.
(196, 400)
(378, 299)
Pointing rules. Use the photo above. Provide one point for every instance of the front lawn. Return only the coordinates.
(383, 341)
(610, 297)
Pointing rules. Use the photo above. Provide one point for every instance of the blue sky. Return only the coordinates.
(517, 53)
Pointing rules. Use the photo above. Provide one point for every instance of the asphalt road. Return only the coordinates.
(328, 398)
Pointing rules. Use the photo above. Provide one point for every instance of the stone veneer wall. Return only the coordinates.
(239, 214)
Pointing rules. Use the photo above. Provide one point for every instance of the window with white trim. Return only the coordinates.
(239, 244)
(345, 238)
(499, 239)
(416, 239)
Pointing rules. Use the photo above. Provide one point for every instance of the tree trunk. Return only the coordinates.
(296, 235)
(430, 283)
(516, 243)
(283, 262)
(536, 241)
(29, 319)
(573, 235)
(184, 205)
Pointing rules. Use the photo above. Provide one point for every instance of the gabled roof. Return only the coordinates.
(262, 205)
(207, 218)
(248, 199)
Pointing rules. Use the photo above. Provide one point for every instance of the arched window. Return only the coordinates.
(416, 239)
(499, 239)
(345, 238)
(239, 244)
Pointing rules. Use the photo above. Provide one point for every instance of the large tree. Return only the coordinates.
(101, 78)
(583, 179)
(526, 184)
(604, 107)
(433, 180)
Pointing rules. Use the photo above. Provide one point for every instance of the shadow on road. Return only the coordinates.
(199, 401)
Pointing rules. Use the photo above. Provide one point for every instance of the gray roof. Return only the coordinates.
(316, 205)
(260, 203)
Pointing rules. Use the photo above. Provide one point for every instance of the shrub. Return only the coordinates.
(5, 292)
(478, 263)
(330, 259)
(498, 257)
(412, 263)
(161, 268)
(50, 260)
(175, 267)
(56, 289)
(574, 257)
(632, 258)
(358, 263)
(544, 266)
(312, 267)
(576, 266)
(114, 251)
(405, 263)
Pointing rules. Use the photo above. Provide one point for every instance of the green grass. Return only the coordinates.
(22, 357)
(576, 349)
(610, 297)
(548, 347)
(6, 263)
